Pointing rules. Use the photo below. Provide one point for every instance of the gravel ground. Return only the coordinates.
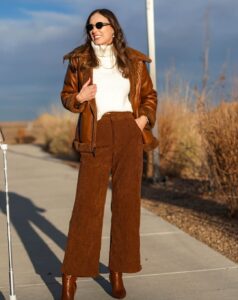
(187, 204)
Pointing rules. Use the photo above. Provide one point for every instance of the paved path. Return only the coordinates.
(175, 266)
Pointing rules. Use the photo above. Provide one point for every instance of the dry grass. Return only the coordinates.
(180, 142)
(219, 128)
(58, 131)
(200, 142)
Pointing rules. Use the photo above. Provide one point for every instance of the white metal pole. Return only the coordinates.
(151, 39)
(152, 55)
(4, 147)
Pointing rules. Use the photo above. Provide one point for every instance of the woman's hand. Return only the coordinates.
(87, 92)
(141, 122)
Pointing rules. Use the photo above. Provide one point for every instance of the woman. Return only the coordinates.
(107, 83)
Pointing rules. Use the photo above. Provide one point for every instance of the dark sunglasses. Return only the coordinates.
(98, 25)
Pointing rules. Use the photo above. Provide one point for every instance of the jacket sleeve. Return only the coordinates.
(71, 89)
(148, 104)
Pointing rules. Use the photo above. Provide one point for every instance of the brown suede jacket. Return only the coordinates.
(142, 97)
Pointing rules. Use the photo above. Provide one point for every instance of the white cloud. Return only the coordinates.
(39, 27)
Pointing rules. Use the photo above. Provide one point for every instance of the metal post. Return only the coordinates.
(4, 147)
(152, 55)
(151, 39)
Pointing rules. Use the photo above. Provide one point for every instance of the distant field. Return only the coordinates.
(22, 132)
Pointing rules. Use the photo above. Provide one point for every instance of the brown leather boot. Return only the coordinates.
(118, 289)
(68, 287)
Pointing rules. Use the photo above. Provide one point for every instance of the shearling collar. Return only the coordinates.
(82, 52)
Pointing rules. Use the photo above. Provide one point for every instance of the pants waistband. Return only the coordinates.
(118, 114)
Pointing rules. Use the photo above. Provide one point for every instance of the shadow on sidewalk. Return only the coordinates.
(26, 217)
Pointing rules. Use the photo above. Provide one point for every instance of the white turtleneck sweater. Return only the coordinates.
(112, 88)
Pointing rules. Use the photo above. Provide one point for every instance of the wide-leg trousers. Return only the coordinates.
(119, 153)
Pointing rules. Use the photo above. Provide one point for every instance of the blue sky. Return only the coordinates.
(36, 34)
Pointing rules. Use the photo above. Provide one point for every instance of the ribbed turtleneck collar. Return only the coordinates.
(105, 55)
(103, 50)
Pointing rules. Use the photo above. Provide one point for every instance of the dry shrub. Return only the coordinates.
(21, 134)
(180, 141)
(58, 130)
(219, 128)
(24, 136)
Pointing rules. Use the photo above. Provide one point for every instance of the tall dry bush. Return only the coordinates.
(58, 131)
(219, 128)
(180, 142)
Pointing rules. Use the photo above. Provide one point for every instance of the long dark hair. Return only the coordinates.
(119, 42)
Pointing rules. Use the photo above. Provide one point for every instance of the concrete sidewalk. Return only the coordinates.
(175, 265)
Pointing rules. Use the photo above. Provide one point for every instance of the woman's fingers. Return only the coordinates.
(141, 123)
(87, 92)
(87, 83)
(90, 91)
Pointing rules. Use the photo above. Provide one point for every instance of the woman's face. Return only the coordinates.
(103, 36)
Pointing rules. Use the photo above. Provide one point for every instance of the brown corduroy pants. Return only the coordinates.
(119, 152)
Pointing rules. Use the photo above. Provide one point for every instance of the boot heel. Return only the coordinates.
(68, 287)
(118, 289)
